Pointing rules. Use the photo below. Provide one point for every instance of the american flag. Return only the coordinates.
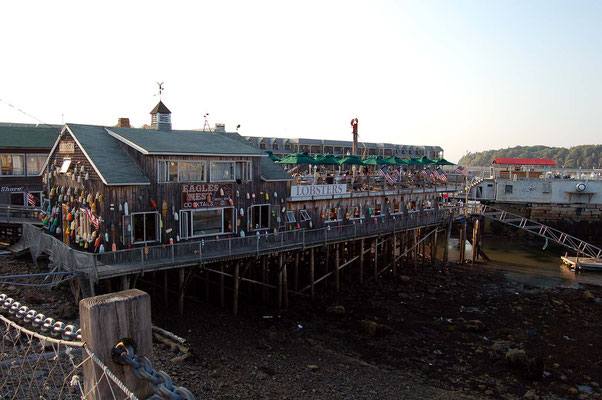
(384, 172)
(395, 174)
(461, 170)
(93, 219)
(30, 199)
(440, 175)
(428, 172)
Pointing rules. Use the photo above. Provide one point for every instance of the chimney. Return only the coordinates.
(220, 127)
(123, 123)
(160, 117)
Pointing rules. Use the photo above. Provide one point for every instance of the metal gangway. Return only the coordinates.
(577, 245)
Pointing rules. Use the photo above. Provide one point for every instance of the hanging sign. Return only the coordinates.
(66, 147)
(206, 195)
(317, 190)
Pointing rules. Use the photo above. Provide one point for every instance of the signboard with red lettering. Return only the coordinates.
(317, 190)
(206, 195)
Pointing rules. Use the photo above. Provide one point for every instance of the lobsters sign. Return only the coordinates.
(317, 190)
(206, 195)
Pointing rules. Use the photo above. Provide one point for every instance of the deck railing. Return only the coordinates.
(12, 213)
(203, 251)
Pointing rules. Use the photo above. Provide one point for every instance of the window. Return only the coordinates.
(222, 171)
(508, 189)
(65, 166)
(12, 164)
(290, 217)
(243, 170)
(145, 227)
(377, 208)
(181, 171)
(395, 206)
(17, 199)
(305, 216)
(35, 162)
(275, 146)
(333, 215)
(191, 171)
(262, 146)
(259, 217)
(195, 223)
(356, 212)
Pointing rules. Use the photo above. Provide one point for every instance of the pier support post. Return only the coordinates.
(221, 285)
(475, 243)
(105, 321)
(296, 277)
(264, 268)
(463, 243)
(280, 262)
(165, 291)
(446, 245)
(375, 247)
(311, 273)
(181, 291)
(336, 267)
(394, 252)
(415, 251)
(361, 261)
(285, 284)
(236, 285)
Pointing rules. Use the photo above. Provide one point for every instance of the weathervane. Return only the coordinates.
(160, 89)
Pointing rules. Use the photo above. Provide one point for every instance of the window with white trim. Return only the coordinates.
(34, 163)
(181, 171)
(12, 164)
(206, 222)
(65, 166)
(243, 170)
(259, 217)
(304, 215)
(222, 171)
(290, 217)
(145, 227)
(333, 215)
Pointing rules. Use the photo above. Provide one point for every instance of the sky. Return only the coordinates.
(464, 75)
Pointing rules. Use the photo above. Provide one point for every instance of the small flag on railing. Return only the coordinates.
(440, 175)
(30, 199)
(461, 170)
(385, 173)
(428, 172)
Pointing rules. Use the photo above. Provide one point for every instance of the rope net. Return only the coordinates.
(33, 366)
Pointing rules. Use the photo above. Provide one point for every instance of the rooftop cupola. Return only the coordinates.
(161, 117)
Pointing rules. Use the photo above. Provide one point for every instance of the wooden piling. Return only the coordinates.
(336, 267)
(415, 250)
(285, 284)
(264, 289)
(105, 321)
(311, 273)
(296, 272)
(236, 286)
(221, 285)
(375, 247)
(165, 291)
(361, 261)
(280, 263)
(181, 272)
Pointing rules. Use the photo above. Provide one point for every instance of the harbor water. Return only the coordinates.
(528, 262)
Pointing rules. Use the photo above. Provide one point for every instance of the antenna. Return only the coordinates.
(206, 126)
(160, 89)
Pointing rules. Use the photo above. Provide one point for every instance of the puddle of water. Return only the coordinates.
(526, 262)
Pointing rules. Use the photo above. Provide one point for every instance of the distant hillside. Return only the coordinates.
(586, 156)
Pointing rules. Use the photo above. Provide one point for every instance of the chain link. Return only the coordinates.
(143, 369)
(45, 324)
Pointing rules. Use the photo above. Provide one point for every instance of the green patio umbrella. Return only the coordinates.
(414, 161)
(396, 160)
(443, 161)
(424, 160)
(328, 159)
(271, 156)
(298, 158)
(352, 160)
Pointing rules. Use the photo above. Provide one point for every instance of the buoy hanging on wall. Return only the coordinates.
(242, 212)
(125, 208)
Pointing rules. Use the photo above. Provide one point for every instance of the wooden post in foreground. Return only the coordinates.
(361, 261)
(107, 320)
(311, 273)
(236, 285)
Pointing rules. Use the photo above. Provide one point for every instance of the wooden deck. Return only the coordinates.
(156, 258)
(583, 263)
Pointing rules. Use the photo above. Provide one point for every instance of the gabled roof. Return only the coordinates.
(523, 161)
(270, 171)
(28, 137)
(111, 163)
(176, 142)
(160, 108)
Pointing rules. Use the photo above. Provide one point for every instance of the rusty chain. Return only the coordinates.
(143, 369)
(45, 324)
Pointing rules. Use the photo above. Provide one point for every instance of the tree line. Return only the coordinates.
(585, 156)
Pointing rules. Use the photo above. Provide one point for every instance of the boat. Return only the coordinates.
(583, 263)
